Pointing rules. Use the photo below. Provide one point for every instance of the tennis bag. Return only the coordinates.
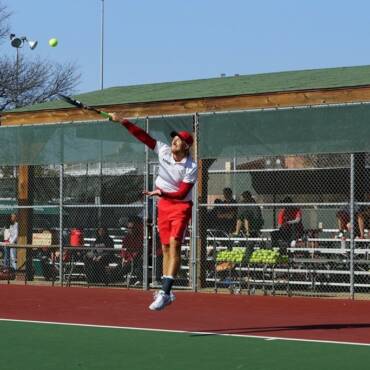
(7, 273)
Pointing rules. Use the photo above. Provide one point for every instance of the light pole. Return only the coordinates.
(17, 43)
(25, 215)
(98, 199)
(102, 46)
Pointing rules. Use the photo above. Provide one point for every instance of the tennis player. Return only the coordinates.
(176, 178)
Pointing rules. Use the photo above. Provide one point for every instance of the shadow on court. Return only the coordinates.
(269, 329)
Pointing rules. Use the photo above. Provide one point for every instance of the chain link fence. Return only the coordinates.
(84, 224)
(284, 224)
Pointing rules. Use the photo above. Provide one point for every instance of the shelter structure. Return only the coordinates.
(313, 125)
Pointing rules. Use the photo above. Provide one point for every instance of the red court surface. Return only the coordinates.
(282, 317)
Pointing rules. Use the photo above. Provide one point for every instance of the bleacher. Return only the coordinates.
(313, 262)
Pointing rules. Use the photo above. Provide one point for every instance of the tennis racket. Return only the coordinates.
(78, 104)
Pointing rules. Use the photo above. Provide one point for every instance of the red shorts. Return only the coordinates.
(173, 218)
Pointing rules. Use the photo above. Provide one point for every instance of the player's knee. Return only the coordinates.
(166, 250)
(175, 242)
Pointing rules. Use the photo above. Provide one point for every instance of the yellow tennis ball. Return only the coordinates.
(53, 42)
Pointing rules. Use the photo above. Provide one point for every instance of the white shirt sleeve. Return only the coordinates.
(6, 235)
(191, 175)
(160, 147)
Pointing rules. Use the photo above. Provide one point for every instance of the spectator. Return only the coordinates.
(96, 260)
(363, 218)
(249, 217)
(213, 220)
(132, 251)
(227, 214)
(132, 248)
(48, 257)
(290, 224)
(11, 237)
(344, 218)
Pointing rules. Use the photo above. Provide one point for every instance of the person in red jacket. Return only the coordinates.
(289, 222)
(176, 177)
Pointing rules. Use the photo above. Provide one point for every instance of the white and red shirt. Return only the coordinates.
(171, 173)
(175, 179)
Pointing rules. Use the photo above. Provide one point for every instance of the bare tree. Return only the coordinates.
(4, 17)
(31, 81)
(34, 81)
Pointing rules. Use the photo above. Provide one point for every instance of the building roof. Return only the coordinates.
(313, 79)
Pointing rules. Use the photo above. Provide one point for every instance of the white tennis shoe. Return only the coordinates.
(161, 300)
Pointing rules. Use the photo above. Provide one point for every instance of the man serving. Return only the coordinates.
(176, 178)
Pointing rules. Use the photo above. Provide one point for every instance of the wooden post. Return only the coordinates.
(203, 167)
(25, 198)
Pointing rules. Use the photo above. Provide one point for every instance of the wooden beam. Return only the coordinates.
(189, 106)
(25, 198)
(203, 167)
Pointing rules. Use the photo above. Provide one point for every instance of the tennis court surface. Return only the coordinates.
(98, 328)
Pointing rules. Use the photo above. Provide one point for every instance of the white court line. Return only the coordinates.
(185, 332)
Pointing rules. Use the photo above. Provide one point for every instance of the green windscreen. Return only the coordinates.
(99, 141)
(327, 129)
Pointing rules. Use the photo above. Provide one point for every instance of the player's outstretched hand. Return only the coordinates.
(115, 117)
(153, 193)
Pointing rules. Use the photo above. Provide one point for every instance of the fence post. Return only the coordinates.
(194, 216)
(61, 267)
(146, 214)
(352, 234)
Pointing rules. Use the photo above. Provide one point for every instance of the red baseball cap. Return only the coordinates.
(184, 135)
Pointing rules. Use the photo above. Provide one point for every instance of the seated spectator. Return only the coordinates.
(97, 259)
(213, 221)
(289, 223)
(227, 215)
(363, 219)
(131, 258)
(344, 218)
(249, 217)
(48, 257)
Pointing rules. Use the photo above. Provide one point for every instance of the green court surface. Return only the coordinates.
(35, 346)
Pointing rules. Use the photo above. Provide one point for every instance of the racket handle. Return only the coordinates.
(105, 115)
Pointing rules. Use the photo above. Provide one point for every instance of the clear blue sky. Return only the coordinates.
(171, 40)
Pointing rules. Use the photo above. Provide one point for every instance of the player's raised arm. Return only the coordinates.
(136, 131)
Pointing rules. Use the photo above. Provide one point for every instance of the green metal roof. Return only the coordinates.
(221, 86)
